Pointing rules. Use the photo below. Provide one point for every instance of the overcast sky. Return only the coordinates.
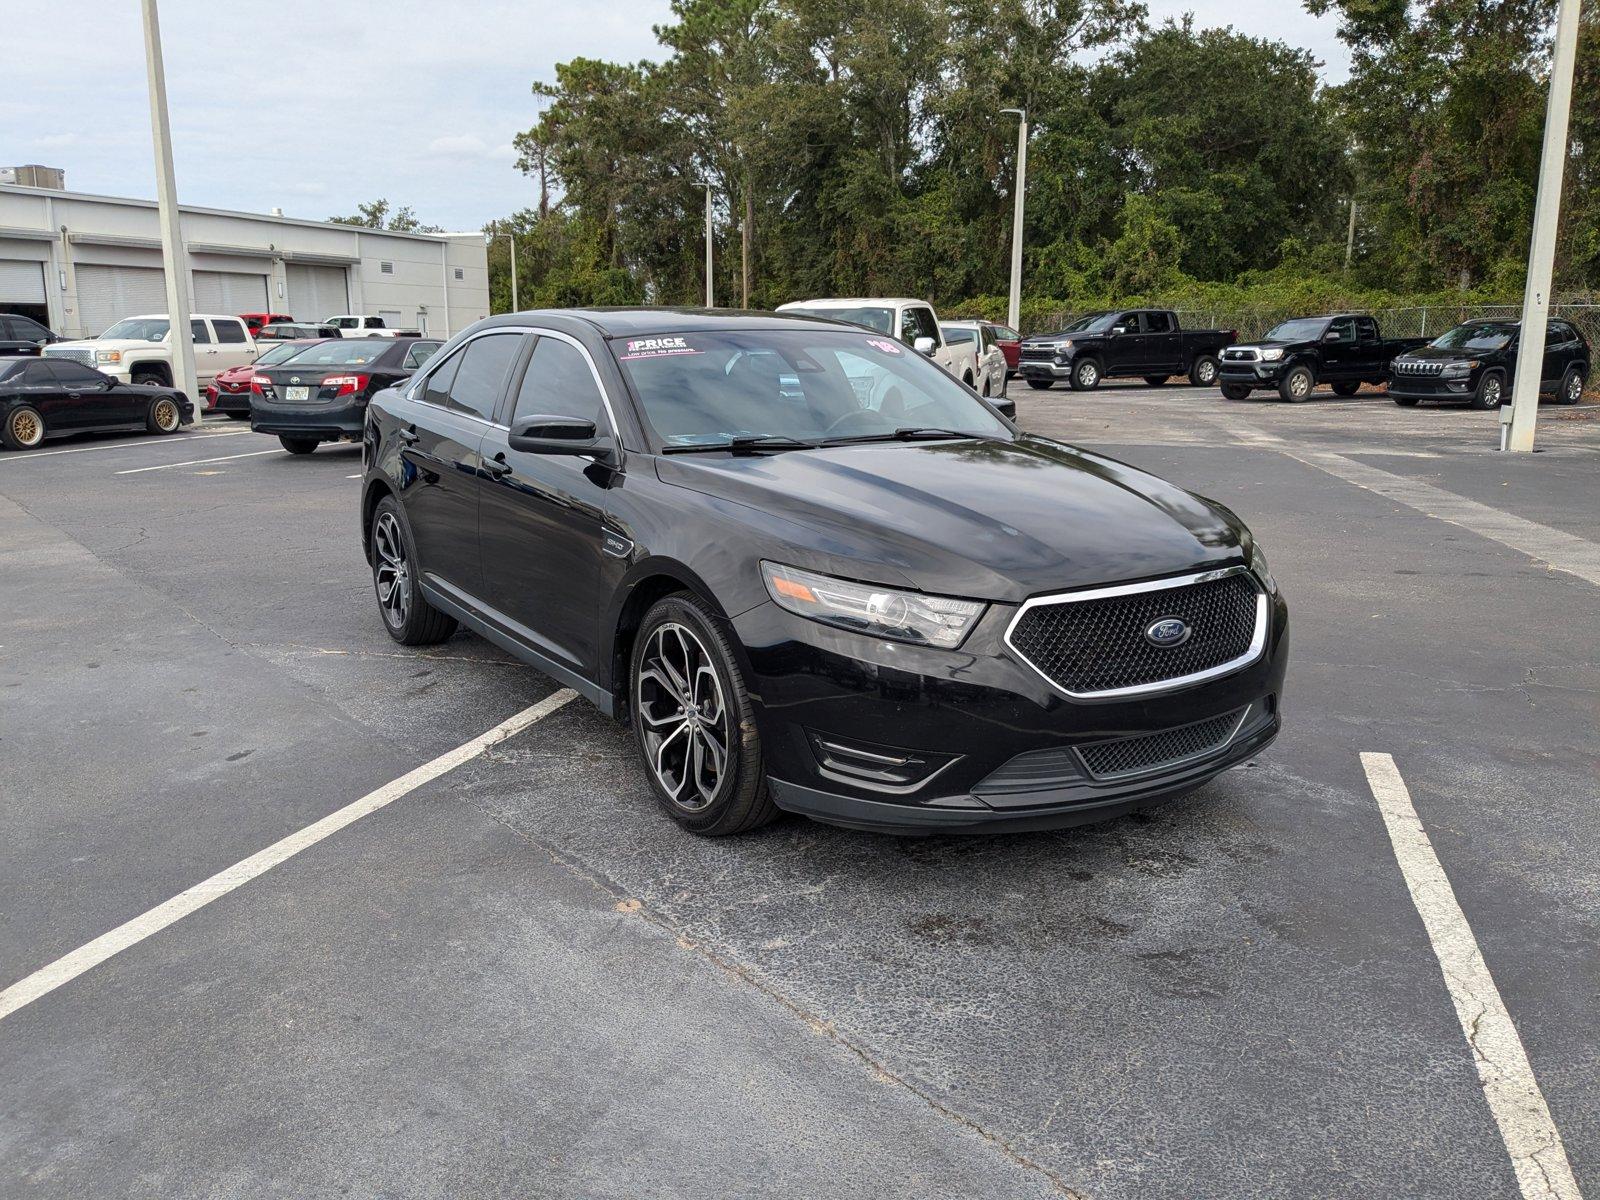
(315, 108)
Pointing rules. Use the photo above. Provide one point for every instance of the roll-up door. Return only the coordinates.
(107, 294)
(229, 292)
(21, 282)
(317, 292)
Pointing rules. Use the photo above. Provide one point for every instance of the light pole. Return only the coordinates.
(1542, 253)
(511, 239)
(1014, 310)
(174, 254)
(710, 292)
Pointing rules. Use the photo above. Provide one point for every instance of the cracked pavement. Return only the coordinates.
(523, 979)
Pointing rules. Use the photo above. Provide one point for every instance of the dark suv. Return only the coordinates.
(816, 573)
(1476, 363)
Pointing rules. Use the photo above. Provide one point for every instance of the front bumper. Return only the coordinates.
(228, 402)
(324, 422)
(968, 714)
(1432, 388)
(1038, 368)
(1249, 374)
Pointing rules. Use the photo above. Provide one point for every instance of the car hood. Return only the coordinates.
(1437, 354)
(991, 520)
(107, 344)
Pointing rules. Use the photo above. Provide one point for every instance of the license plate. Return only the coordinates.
(297, 393)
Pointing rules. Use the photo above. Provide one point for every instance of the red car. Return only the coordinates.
(254, 321)
(229, 392)
(1010, 342)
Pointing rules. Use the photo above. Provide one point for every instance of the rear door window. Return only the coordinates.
(1157, 322)
(481, 378)
(202, 333)
(1367, 328)
(230, 331)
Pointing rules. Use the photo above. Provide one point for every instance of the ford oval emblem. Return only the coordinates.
(1167, 632)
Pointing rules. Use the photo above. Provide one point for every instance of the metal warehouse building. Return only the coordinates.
(79, 263)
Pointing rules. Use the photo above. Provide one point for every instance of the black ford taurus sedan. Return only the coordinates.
(816, 574)
(320, 394)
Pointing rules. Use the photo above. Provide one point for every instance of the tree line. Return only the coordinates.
(860, 148)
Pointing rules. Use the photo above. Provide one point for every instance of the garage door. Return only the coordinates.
(229, 292)
(107, 294)
(317, 292)
(21, 282)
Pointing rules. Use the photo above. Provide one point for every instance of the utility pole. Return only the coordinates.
(710, 293)
(1014, 309)
(512, 242)
(174, 254)
(1350, 238)
(1542, 252)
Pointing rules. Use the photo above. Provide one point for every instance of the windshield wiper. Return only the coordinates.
(749, 444)
(909, 433)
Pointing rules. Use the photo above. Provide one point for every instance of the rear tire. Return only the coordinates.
(1085, 375)
(1571, 389)
(24, 428)
(1039, 385)
(1491, 393)
(406, 613)
(1235, 391)
(163, 415)
(298, 445)
(1296, 384)
(683, 663)
(1156, 380)
(239, 416)
(1204, 371)
(1346, 387)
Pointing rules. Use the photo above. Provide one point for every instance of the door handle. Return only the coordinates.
(497, 466)
(408, 436)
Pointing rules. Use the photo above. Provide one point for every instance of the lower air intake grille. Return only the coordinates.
(1158, 751)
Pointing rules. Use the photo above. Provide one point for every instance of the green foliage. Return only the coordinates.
(376, 215)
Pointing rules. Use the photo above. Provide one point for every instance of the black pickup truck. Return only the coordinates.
(1344, 350)
(1145, 343)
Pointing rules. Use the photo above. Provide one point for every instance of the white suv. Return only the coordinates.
(360, 325)
(139, 349)
(912, 321)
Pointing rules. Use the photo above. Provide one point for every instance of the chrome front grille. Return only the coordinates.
(1241, 354)
(77, 354)
(1038, 353)
(1123, 758)
(1418, 367)
(1095, 644)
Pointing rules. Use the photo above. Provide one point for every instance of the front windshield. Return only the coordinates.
(139, 329)
(707, 389)
(341, 352)
(873, 317)
(1093, 323)
(1301, 329)
(280, 353)
(1480, 335)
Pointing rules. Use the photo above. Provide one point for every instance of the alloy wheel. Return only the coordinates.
(1088, 374)
(166, 416)
(1300, 385)
(27, 428)
(392, 572)
(1207, 373)
(1575, 388)
(1491, 392)
(684, 716)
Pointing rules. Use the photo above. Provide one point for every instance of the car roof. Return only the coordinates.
(850, 301)
(631, 322)
(194, 316)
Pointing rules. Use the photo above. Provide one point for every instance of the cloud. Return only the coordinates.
(459, 145)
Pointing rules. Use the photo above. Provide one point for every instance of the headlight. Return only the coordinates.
(108, 356)
(1065, 344)
(1272, 355)
(1457, 370)
(1258, 564)
(882, 612)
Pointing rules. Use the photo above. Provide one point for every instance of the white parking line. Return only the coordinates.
(160, 440)
(67, 968)
(195, 462)
(1526, 1127)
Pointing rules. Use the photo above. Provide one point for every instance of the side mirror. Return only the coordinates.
(1007, 407)
(1118, 330)
(925, 345)
(560, 435)
(42, 342)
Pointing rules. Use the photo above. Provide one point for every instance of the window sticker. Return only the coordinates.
(657, 347)
(884, 344)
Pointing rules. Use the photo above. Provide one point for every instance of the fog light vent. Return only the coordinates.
(884, 767)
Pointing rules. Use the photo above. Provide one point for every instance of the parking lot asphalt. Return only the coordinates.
(521, 978)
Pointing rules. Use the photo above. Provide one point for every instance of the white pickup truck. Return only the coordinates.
(139, 349)
(912, 321)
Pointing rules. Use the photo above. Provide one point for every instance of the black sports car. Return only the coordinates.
(52, 397)
(818, 574)
(320, 395)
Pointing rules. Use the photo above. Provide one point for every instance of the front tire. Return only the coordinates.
(24, 428)
(1296, 384)
(298, 445)
(1235, 391)
(1086, 375)
(1346, 387)
(1204, 371)
(1156, 380)
(693, 722)
(406, 613)
(1405, 401)
(163, 416)
(1491, 393)
(1040, 385)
